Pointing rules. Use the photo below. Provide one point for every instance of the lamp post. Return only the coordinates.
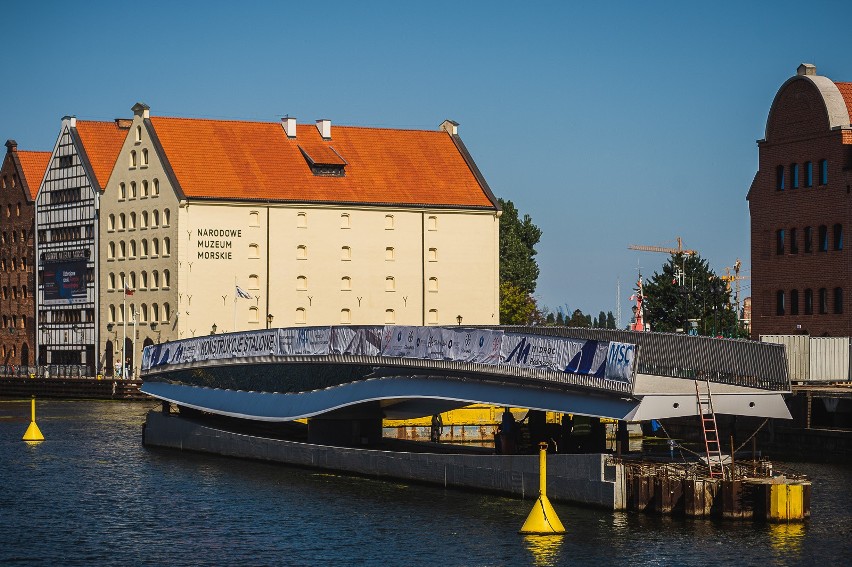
(268, 320)
(213, 329)
(459, 319)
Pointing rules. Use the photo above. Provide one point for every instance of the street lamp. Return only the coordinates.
(459, 319)
(268, 320)
(213, 329)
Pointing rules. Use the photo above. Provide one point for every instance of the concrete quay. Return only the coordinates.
(580, 479)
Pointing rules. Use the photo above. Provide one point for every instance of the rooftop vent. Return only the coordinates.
(806, 69)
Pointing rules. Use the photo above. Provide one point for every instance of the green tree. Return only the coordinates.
(518, 238)
(610, 320)
(601, 321)
(517, 307)
(685, 289)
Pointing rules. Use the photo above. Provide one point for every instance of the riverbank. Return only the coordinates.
(72, 388)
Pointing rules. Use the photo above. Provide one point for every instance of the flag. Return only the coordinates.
(242, 294)
(127, 290)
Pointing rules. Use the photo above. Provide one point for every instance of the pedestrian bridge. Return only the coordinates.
(398, 372)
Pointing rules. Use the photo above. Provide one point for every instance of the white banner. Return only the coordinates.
(619, 362)
(211, 347)
(400, 341)
(304, 341)
(575, 356)
(364, 341)
(477, 345)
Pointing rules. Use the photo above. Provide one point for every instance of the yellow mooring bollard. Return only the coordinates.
(542, 519)
(33, 433)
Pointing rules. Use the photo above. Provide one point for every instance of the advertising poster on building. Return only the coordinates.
(64, 282)
(308, 341)
(619, 362)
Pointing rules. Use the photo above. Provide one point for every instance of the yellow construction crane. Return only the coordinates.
(736, 278)
(679, 250)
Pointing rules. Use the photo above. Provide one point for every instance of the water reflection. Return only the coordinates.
(787, 538)
(544, 548)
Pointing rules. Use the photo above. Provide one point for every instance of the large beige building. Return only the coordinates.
(317, 225)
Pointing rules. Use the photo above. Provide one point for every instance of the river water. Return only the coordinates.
(91, 494)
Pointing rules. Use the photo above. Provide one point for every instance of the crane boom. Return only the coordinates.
(679, 250)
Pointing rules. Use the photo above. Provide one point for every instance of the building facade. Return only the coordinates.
(20, 177)
(216, 226)
(67, 245)
(799, 203)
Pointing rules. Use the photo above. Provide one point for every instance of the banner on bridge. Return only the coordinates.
(211, 347)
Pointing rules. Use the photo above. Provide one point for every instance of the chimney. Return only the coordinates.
(141, 109)
(806, 69)
(123, 123)
(289, 125)
(450, 126)
(324, 127)
(72, 121)
(12, 146)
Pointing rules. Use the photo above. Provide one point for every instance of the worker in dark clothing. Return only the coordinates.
(437, 428)
(508, 433)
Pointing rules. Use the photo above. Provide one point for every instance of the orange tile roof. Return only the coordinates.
(256, 160)
(33, 164)
(102, 142)
(846, 90)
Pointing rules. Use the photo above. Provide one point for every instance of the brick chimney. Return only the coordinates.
(12, 146)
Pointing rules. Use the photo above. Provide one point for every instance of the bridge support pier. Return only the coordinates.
(345, 432)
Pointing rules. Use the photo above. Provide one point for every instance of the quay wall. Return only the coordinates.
(581, 479)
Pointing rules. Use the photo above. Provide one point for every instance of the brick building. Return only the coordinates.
(20, 176)
(799, 203)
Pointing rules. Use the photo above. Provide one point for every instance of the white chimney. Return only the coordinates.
(450, 126)
(806, 69)
(324, 127)
(289, 125)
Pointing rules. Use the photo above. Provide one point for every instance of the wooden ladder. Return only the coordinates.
(711, 432)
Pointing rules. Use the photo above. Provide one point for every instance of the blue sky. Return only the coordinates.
(609, 123)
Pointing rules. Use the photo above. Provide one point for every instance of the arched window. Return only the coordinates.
(121, 221)
(389, 222)
(780, 306)
(144, 248)
(143, 279)
(346, 253)
(302, 283)
(111, 251)
(144, 220)
(143, 313)
(389, 254)
(155, 312)
(155, 188)
(254, 315)
(144, 156)
(155, 279)
(838, 300)
(139, 133)
(301, 252)
(301, 316)
(166, 277)
(390, 317)
(155, 219)
(254, 282)
(132, 280)
(838, 237)
(122, 250)
(433, 255)
(166, 217)
(166, 246)
(155, 247)
(794, 302)
(390, 283)
(254, 251)
(345, 317)
(346, 283)
(433, 284)
(144, 188)
(122, 191)
(132, 158)
(132, 221)
(132, 189)
(301, 220)
(111, 314)
(111, 222)
(132, 248)
(345, 220)
(166, 313)
(254, 218)
(111, 284)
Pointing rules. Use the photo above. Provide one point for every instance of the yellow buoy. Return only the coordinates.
(33, 432)
(542, 519)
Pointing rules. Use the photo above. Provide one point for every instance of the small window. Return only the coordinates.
(143, 280)
(346, 253)
(139, 133)
(166, 217)
(144, 158)
(132, 224)
(390, 317)
(132, 248)
(809, 301)
(110, 223)
(794, 176)
(121, 221)
(167, 246)
(155, 279)
(389, 225)
(432, 223)
(301, 220)
(823, 301)
(122, 250)
(132, 189)
(779, 302)
(809, 174)
(112, 313)
(302, 283)
(433, 284)
(143, 220)
(155, 248)
(779, 178)
(794, 244)
(254, 282)
(166, 278)
(389, 254)
(809, 238)
(155, 312)
(345, 317)
(155, 219)
(111, 282)
(122, 191)
(254, 218)
(390, 283)
(838, 237)
(155, 188)
(301, 316)
(838, 301)
(144, 248)
(254, 315)
(132, 158)
(301, 252)
(433, 255)
(794, 302)
(345, 221)
(143, 313)
(111, 251)
(346, 283)
(433, 317)
(779, 241)
(823, 172)
(254, 251)
(166, 313)
(823, 238)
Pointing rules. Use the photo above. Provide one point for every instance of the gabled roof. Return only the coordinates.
(33, 166)
(102, 142)
(219, 159)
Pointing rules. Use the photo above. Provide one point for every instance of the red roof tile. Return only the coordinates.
(102, 142)
(33, 165)
(256, 160)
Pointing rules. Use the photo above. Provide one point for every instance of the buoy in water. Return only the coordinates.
(542, 519)
(33, 432)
